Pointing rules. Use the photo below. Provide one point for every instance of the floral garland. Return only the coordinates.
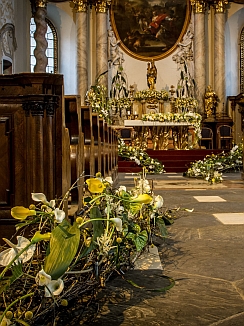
(212, 166)
(141, 158)
(96, 97)
(55, 261)
(150, 94)
(190, 117)
(121, 103)
(187, 103)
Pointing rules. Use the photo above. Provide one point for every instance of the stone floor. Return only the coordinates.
(201, 262)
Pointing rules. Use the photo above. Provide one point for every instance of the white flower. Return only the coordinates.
(8, 255)
(59, 215)
(120, 209)
(43, 278)
(118, 223)
(54, 287)
(109, 179)
(39, 196)
(137, 161)
(158, 202)
(122, 188)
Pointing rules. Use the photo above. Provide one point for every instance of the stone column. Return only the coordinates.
(82, 43)
(102, 40)
(219, 54)
(199, 8)
(39, 36)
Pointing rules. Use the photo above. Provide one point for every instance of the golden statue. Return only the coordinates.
(151, 75)
(211, 102)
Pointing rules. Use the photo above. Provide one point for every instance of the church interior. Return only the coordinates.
(79, 77)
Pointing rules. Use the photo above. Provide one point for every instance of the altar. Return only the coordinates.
(159, 135)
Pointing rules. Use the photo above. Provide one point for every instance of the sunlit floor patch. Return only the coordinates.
(209, 199)
(230, 218)
(149, 260)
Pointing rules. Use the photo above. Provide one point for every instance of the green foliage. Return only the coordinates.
(212, 166)
(64, 244)
(140, 157)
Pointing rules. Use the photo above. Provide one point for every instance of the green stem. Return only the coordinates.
(13, 303)
(13, 260)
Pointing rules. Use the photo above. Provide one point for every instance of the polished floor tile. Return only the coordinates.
(230, 218)
(209, 199)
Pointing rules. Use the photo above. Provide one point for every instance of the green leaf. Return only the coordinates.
(17, 272)
(141, 240)
(162, 227)
(64, 244)
(98, 228)
(5, 284)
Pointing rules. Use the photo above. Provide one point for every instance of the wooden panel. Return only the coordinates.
(31, 141)
(6, 148)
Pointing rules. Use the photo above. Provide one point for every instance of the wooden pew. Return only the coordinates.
(33, 140)
(73, 123)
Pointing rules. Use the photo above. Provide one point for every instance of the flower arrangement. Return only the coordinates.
(184, 104)
(121, 103)
(190, 117)
(150, 94)
(97, 98)
(140, 157)
(212, 166)
(50, 271)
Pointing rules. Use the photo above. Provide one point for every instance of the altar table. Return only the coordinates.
(161, 135)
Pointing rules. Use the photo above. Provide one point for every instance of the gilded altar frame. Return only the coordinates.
(149, 31)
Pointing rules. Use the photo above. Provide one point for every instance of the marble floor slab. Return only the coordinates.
(209, 199)
(230, 218)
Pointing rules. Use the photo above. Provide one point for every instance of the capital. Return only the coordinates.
(220, 6)
(199, 6)
(80, 5)
(102, 5)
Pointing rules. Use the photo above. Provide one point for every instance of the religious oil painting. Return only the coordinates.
(149, 29)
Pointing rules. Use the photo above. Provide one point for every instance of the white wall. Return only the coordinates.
(136, 72)
(63, 19)
(234, 25)
(22, 11)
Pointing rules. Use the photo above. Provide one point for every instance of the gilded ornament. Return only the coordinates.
(41, 3)
(80, 5)
(102, 5)
(220, 6)
(199, 6)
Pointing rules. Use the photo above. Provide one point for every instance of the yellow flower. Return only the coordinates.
(21, 213)
(142, 199)
(39, 237)
(95, 185)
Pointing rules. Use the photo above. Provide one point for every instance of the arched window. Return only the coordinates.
(52, 48)
(242, 61)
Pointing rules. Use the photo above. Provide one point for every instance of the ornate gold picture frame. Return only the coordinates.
(149, 29)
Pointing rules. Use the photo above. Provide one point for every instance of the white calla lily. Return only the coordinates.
(8, 255)
(59, 215)
(109, 179)
(39, 196)
(43, 278)
(118, 223)
(55, 287)
(122, 188)
(158, 202)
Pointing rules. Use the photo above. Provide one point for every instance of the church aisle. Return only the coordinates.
(203, 255)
